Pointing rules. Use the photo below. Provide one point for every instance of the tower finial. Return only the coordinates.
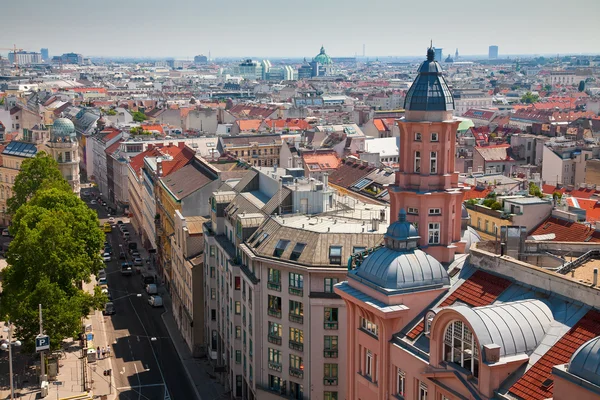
(430, 53)
(402, 215)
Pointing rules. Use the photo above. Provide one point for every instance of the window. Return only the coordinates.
(213, 315)
(329, 282)
(358, 249)
(297, 336)
(274, 356)
(212, 271)
(413, 211)
(238, 356)
(417, 162)
(296, 365)
(297, 251)
(417, 137)
(330, 347)
(238, 307)
(296, 284)
(433, 162)
(422, 391)
(296, 311)
(369, 364)
(400, 382)
(212, 251)
(330, 395)
(275, 383)
(68, 156)
(274, 332)
(435, 211)
(369, 326)
(331, 318)
(434, 233)
(335, 255)
(280, 247)
(487, 225)
(274, 280)
(238, 282)
(434, 137)
(460, 347)
(213, 293)
(331, 374)
(274, 306)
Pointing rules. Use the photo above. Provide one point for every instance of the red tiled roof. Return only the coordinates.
(550, 189)
(591, 207)
(566, 231)
(348, 173)
(113, 147)
(476, 193)
(248, 124)
(137, 162)
(110, 133)
(180, 159)
(583, 193)
(481, 289)
(153, 127)
(529, 386)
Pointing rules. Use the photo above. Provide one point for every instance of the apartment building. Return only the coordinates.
(564, 162)
(13, 156)
(274, 326)
(256, 150)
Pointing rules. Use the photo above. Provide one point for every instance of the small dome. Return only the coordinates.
(470, 237)
(63, 127)
(401, 229)
(322, 58)
(429, 91)
(585, 362)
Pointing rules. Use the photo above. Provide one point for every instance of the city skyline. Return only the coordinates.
(136, 29)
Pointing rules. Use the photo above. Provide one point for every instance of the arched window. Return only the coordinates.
(460, 347)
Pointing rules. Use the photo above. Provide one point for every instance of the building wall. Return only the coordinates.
(592, 172)
(9, 170)
(486, 224)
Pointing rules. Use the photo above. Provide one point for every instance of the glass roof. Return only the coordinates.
(20, 149)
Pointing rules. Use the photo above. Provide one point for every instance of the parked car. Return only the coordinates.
(107, 293)
(109, 308)
(122, 255)
(138, 262)
(151, 288)
(111, 220)
(135, 253)
(106, 257)
(93, 202)
(5, 232)
(155, 301)
(102, 273)
(126, 268)
(103, 282)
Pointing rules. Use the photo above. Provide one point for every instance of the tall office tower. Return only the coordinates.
(45, 55)
(493, 53)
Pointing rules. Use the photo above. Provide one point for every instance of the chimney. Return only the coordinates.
(595, 281)
(325, 180)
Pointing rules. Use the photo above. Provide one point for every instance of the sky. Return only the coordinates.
(298, 28)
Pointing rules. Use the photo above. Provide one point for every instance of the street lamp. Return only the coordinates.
(8, 345)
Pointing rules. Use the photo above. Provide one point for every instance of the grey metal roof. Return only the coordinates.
(345, 287)
(585, 362)
(402, 270)
(517, 327)
(429, 91)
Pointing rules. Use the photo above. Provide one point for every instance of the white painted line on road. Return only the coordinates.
(140, 386)
(123, 371)
(139, 381)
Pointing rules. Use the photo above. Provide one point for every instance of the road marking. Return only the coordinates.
(139, 381)
(138, 338)
(140, 386)
(123, 371)
(167, 395)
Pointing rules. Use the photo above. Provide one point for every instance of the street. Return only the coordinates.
(144, 361)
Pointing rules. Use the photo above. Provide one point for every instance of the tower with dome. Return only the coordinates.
(322, 64)
(64, 148)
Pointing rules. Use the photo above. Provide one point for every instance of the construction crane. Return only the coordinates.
(14, 50)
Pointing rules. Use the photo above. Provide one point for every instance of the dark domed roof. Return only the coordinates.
(429, 92)
(400, 266)
(63, 127)
(585, 362)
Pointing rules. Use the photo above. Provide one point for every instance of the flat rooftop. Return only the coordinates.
(330, 224)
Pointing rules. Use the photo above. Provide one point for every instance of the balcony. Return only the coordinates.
(297, 373)
(330, 325)
(327, 353)
(330, 381)
(274, 339)
(296, 291)
(275, 366)
(274, 313)
(274, 286)
(296, 345)
(299, 319)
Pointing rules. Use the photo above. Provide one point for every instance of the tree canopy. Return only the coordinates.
(534, 190)
(56, 247)
(530, 98)
(36, 173)
(139, 116)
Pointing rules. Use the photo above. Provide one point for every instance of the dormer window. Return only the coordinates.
(460, 347)
(282, 244)
(335, 255)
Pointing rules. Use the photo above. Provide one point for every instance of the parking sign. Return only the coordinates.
(42, 342)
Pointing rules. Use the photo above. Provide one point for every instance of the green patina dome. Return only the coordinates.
(63, 127)
(322, 58)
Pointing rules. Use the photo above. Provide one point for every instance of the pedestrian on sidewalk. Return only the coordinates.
(108, 350)
(103, 352)
(98, 354)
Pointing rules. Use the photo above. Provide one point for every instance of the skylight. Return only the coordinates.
(297, 251)
(282, 244)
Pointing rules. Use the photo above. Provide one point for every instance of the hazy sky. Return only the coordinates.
(261, 28)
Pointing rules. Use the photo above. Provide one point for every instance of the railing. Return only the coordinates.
(327, 353)
(274, 313)
(299, 319)
(330, 381)
(296, 291)
(296, 372)
(330, 325)
(274, 286)
(274, 339)
(275, 366)
(296, 345)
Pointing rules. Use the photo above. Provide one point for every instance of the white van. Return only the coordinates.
(151, 289)
(155, 301)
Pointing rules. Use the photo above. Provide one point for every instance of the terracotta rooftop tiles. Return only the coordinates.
(476, 193)
(530, 385)
(348, 173)
(481, 289)
(566, 231)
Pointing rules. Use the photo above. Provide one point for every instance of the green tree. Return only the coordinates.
(139, 116)
(56, 246)
(548, 88)
(530, 98)
(534, 190)
(36, 173)
(581, 87)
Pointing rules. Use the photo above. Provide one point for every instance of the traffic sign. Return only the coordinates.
(42, 342)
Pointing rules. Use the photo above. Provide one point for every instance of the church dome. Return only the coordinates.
(429, 91)
(322, 58)
(585, 362)
(400, 265)
(63, 127)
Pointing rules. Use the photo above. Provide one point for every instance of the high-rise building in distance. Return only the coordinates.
(45, 54)
(438, 54)
(201, 59)
(493, 53)
(24, 57)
